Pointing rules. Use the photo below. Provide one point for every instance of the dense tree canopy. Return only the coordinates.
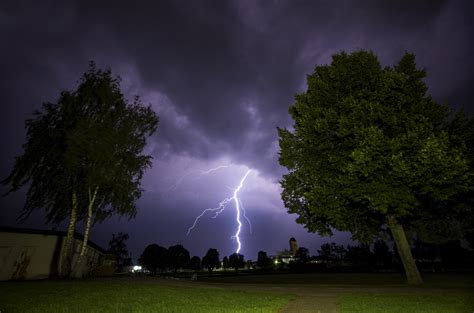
(91, 138)
(154, 257)
(83, 156)
(178, 257)
(195, 263)
(211, 260)
(370, 149)
(236, 261)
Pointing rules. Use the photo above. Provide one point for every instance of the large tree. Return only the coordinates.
(178, 257)
(195, 263)
(211, 260)
(236, 261)
(371, 150)
(83, 157)
(154, 257)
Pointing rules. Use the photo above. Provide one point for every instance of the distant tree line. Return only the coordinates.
(157, 259)
(379, 256)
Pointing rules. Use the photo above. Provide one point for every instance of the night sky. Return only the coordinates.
(221, 76)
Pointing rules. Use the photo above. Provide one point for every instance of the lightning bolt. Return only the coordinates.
(221, 207)
(245, 216)
(200, 174)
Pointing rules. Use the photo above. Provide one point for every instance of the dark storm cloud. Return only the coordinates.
(218, 61)
(220, 74)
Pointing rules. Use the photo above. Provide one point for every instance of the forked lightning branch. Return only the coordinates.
(239, 211)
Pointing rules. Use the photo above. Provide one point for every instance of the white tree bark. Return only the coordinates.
(81, 258)
(66, 252)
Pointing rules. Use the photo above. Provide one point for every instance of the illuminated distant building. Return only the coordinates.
(286, 256)
(293, 246)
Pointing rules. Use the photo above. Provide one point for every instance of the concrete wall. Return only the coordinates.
(28, 256)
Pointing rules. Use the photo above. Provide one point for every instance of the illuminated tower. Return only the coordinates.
(293, 246)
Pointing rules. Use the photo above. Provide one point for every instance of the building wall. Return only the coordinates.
(37, 256)
(91, 262)
(28, 256)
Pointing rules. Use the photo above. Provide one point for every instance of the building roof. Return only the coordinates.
(49, 232)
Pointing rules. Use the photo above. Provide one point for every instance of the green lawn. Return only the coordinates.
(310, 279)
(396, 303)
(324, 280)
(130, 297)
(366, 293)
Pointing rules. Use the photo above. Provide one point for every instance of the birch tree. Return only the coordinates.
(83, 158)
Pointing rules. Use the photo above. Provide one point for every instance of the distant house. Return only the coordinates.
(286, 256)
(36, 254)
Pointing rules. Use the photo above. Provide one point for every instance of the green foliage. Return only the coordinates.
(236, 260)
(91, 138)
(368, 143)
(211, 260)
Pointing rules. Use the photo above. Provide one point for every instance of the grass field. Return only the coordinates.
(348, 293)
(324, 280)
(133, 297)
(396, 303)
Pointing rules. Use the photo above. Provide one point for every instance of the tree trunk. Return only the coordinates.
(403, 248)
(81, 258)
(66, 252)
